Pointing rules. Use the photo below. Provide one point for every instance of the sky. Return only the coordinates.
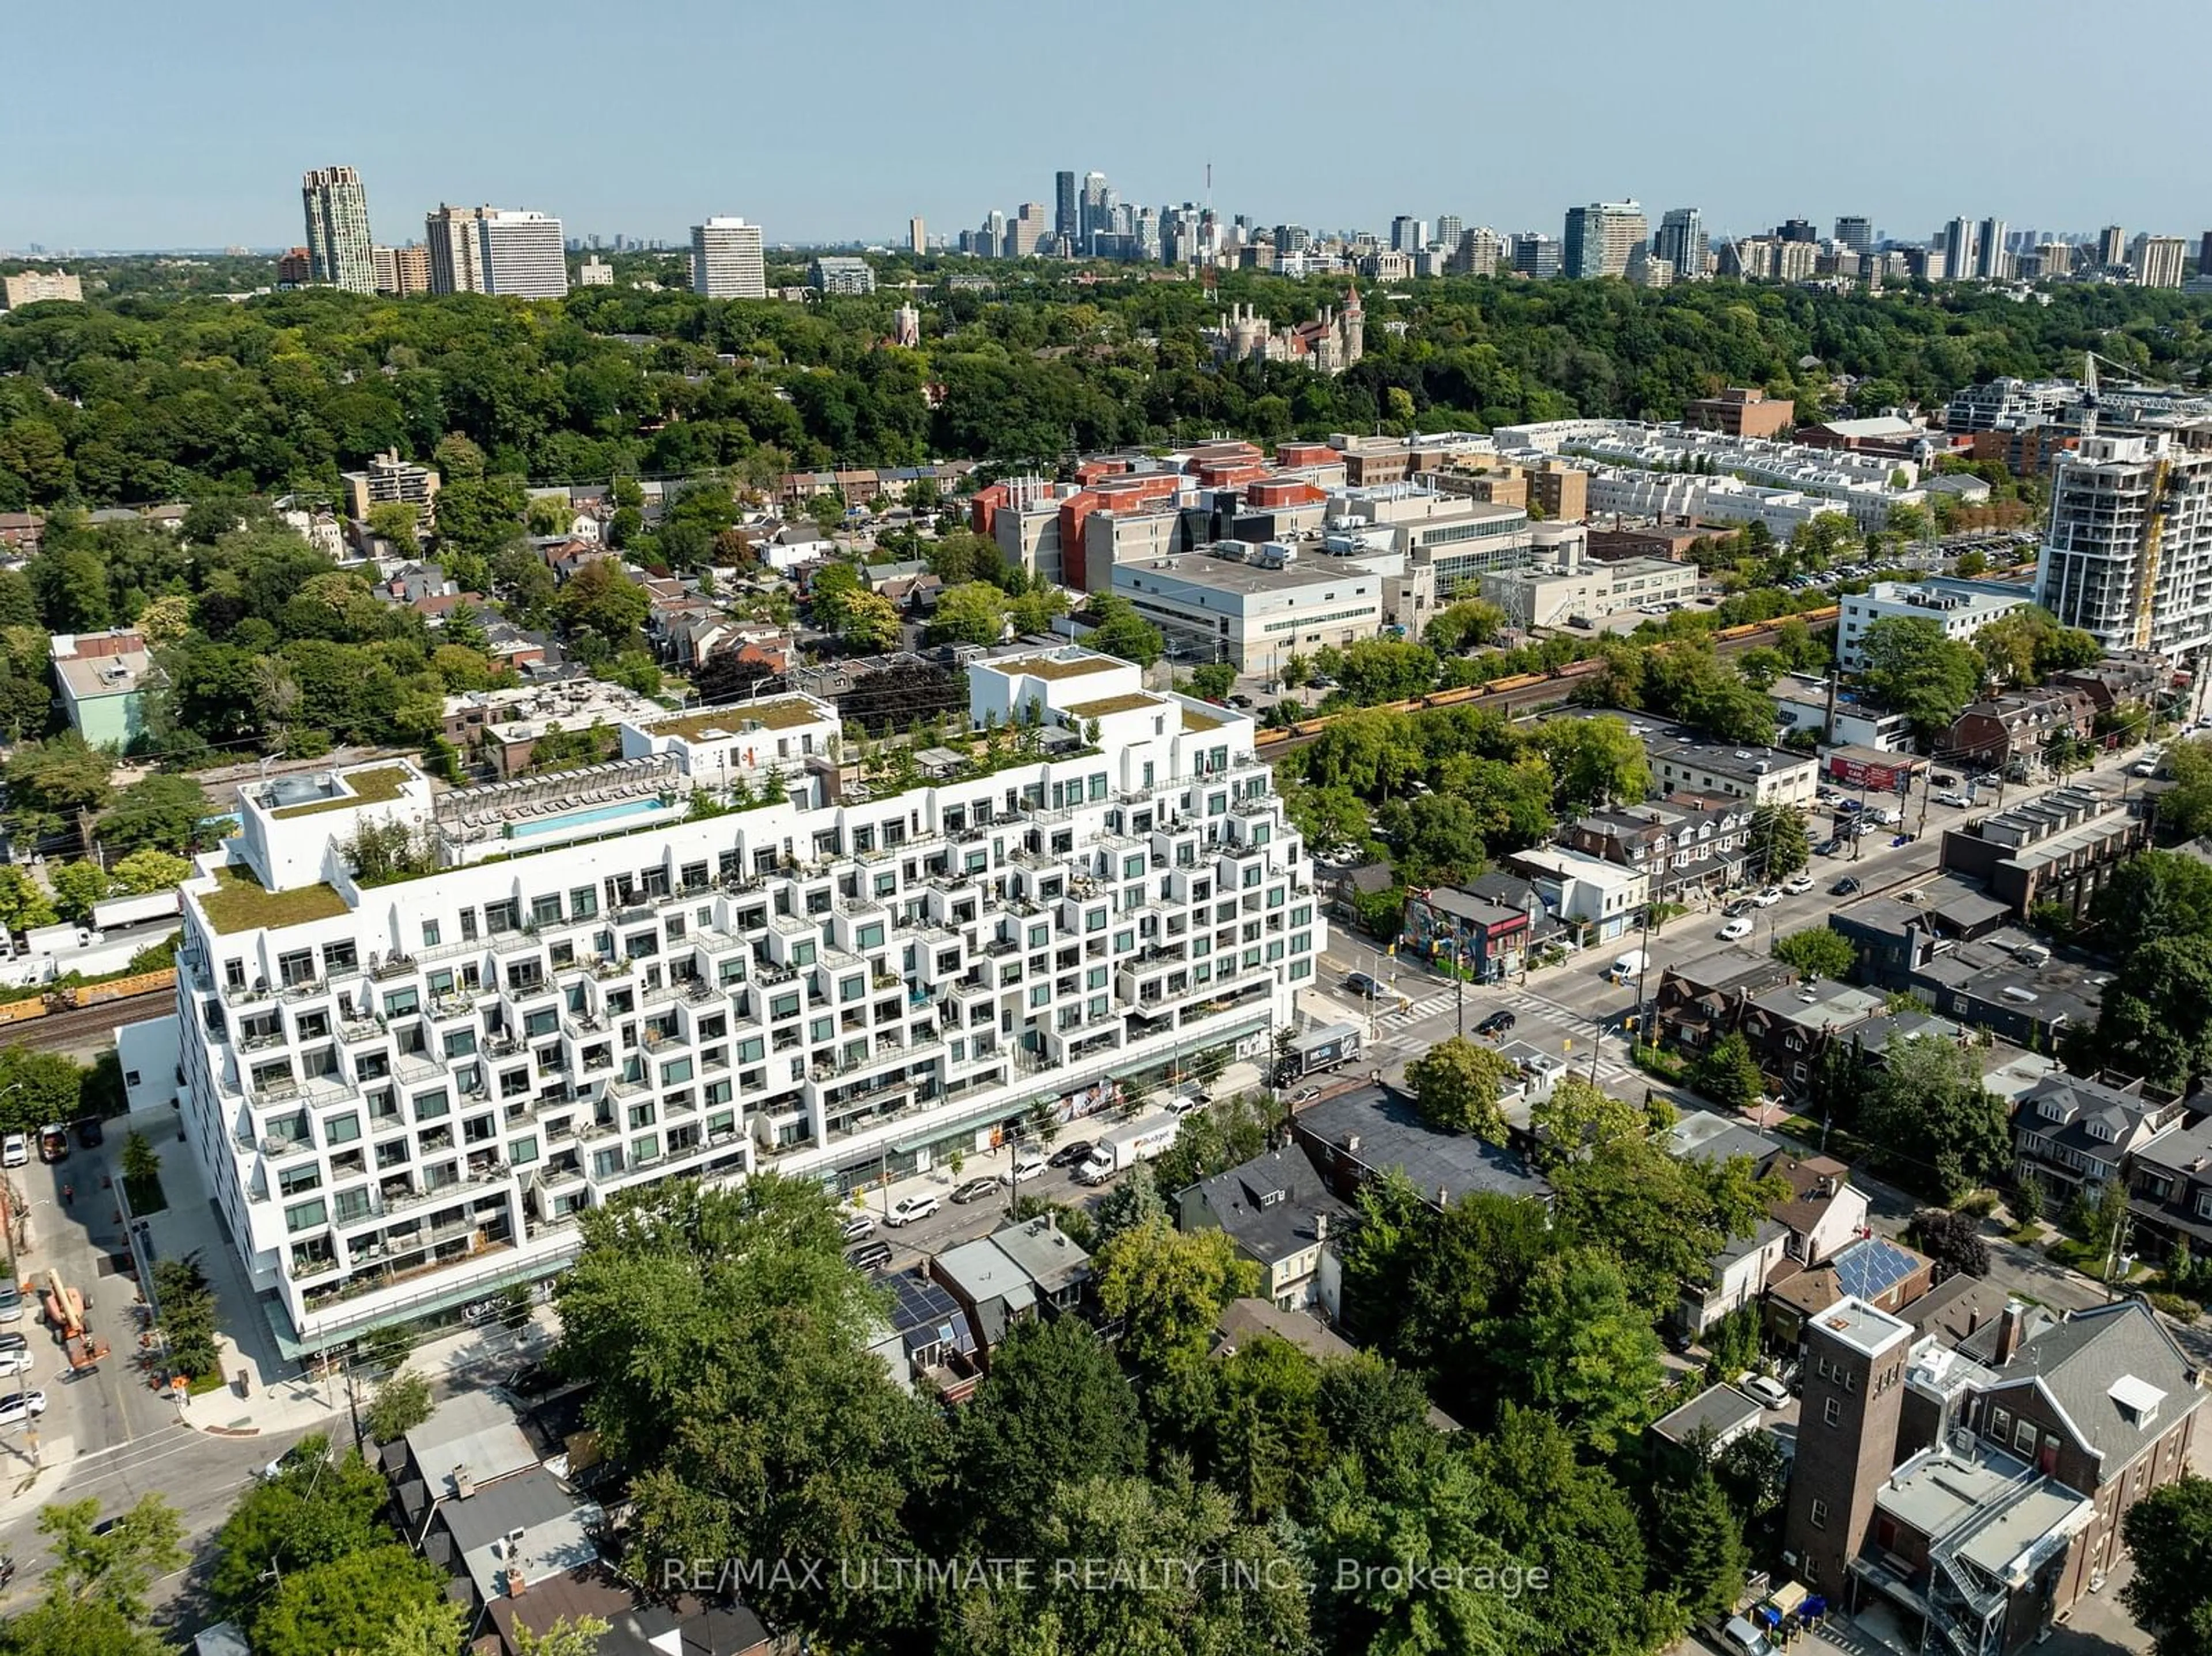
(130, 125)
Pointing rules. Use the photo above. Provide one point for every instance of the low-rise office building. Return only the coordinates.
(1960, 608)
(1573, 588)
(104, 678)
(1766, 776)
(1254, 606)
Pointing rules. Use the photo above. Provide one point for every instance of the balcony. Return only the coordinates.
(397, 966)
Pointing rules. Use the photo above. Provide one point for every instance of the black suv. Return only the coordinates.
(1496, 1024)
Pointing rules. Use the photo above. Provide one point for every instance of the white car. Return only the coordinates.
(1798, 884)
(19, 1406)
(1025, 1167)
(16, 1150)
(1768, 898)
(14, 1360)
(907, 1209)
(1958, 800)
(1734, 929)
(1764, 1389)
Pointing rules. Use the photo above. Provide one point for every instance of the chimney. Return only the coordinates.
(1443, 1196)
(464, 1485)
(512, 1578)
(2009, 1332)
(1320, 1227)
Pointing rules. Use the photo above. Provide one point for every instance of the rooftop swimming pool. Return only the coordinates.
(570, 821)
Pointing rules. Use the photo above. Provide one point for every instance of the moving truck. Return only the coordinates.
(1124, 1147)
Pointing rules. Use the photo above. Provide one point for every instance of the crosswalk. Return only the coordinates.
(1528, 1009)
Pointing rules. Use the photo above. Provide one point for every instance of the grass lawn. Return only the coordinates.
(239, 903)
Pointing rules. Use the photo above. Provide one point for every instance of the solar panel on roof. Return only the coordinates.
(1872, 1268)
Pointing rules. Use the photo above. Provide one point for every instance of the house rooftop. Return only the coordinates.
(1720, 1414)
(1109, 705)
(1051, 1259)
(2008, 1517)
(1064, 665)
(1388, 1132)
(1268, 1205)
(1864, 1328)
(240, 903)
(784, 713)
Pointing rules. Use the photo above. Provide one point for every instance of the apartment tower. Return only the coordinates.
(725, 259)
(1599, 237)
(520, 254)
(338, 248)
(450, 234)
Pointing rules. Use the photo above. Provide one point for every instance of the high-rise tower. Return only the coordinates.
(337, 210)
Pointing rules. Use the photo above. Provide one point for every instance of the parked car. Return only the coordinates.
(1959, 800)
(1738, 909)
(1184, 1103)
(53, 1142)
(1827, 848)
(19, 1406)
(907, 1209)
(1798, 884)
(1025, 1167)
(1945, 780)
(1768, 897)
(975, 1190)
(1846, 887)
(1303, 1096)
(16, 1360)
(11, 1303)
(16, 1150)
(860, 1226)
(1734, 929)
(90, 1134)
(1068, 1154)
(869, 1255)
(1764, 1389)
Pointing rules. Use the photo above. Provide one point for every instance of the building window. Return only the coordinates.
(2023, 1437)
(1832, 1412)
(1819, 1516)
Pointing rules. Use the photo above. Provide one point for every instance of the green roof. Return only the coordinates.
(1194, 720)
(373, 787)
(1045, 667)
(1113, 703)
(240, 903)
(786, 714)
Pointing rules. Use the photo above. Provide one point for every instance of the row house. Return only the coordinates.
(2073, 1137)
(1683, 842)
(1700, 1001)
(2059, 848)
(1788, 1027)
(2170, 1188)
(2017, 725)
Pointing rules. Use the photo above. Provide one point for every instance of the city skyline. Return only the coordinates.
(195, 181)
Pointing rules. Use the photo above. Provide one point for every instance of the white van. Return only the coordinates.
(1739, 1638)
(1630, 966)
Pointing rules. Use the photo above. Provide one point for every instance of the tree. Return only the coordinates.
(973, 612)
(1915, 669)
(1663, 1219)
(349, 1600)
(2169, 1535)
(50, 785)
(1698, 1542)
(1594, 762)
(1118, 630)
(1587, 1355)
(68, 1627)
(1465, 625)
(38, 1088)
(2153, 895)
(187, 1307)
(22, 903)
(403, 1403)
(145, 872)
(1953, 1241)
(1930, 1121)
(1778, 840)
(561, 1637)
(732, 1342)
(1131, 1204)
(1213, 681)
(2156, 1021)
(1053, 1409)
(117, 1567)
(400, 522)
(2185, 810)
(156, 813)
(870, 623)
(318, 1508)
(1457, 1084)
(1728, 1072)
(1818, 952)
(601, 601)
(1166, 1287)
(77, 886)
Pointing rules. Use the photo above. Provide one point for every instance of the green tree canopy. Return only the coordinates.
(1915, 669)
(1458, 1084)
(1818, 952)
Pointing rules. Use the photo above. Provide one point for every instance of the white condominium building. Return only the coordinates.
(725, 259)
(404, 1063)
(1960, 608)
(520, 254)
(2128, 555)
(337, 211)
